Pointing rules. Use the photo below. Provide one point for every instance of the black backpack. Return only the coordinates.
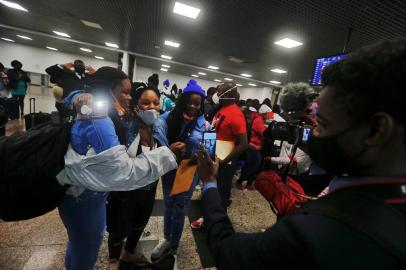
(29, 164)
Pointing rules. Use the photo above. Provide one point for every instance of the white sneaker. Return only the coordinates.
(160, 249)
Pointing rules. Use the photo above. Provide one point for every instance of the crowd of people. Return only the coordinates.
(344, 146)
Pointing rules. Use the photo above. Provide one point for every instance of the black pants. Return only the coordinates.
(128, 213)
(20, 99)
(224, 182)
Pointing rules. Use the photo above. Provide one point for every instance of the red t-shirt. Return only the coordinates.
(257, 132)
(229, 122)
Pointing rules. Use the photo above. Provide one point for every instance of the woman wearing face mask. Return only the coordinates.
(187, 124)
(98, 162)
(128, 212)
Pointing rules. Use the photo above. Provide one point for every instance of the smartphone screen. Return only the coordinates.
(209, 141)
(306, 133)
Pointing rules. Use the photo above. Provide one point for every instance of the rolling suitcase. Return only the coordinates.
(3, 120)
(12, 106)
(33, 119)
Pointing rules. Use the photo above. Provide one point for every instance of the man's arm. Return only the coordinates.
(240, 146)
(56, 72)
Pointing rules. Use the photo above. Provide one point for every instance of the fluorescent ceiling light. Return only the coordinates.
(166, 66)
(213, 67)
(110, 44)
(92, 24)
(86, 50)
(62, 34)
(7, 39)
(217, 80)
(99, 57)
(202, 73)
(24, 37)
(166, 56)
(172, 43)
(275, 82)
(246, 75)
(13, 5)
(51, 48)
(228, 79)
(185, 10)
(278, 70)
(238, 84)
(252, 84)
(194, 75)
(288, 43)
(164, 69)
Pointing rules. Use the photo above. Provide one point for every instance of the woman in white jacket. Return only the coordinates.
(98, 161)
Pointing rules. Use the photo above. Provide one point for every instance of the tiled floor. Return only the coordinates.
(40, 243)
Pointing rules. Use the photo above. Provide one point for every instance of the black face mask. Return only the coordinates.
(327, 153)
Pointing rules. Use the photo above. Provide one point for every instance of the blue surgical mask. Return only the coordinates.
(149, 117)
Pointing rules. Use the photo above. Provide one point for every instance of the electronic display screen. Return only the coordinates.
(321, 63)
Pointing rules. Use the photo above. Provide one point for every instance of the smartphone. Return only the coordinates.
(306, 133)
(209, 142)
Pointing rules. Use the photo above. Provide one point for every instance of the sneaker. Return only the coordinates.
(162, 248)
(135, 258)
(197, 224)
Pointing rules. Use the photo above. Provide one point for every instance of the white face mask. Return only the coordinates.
(216, 98)
(149, 117)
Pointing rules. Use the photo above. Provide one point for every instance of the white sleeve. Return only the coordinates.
(115, 170)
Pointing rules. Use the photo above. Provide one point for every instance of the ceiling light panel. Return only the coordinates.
(172, 43)
(13, 5)
(164, 69)
(202, 73)
(62, 34)
(99, 57)
(238, 84)
(228, 79)
(166, 57)
(110, 44)
(213, 67)
(194, 75)
(51, 48)
(7, 39)
(252, 84)
(246, 75)
(278, 70)
(275, 82)
(24, 37)
(288, 43)
(92, 24)
(217, 80)
(186, 10)
(86, 50)
(165, 66)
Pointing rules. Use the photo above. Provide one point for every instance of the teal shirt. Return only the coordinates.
(20, 90)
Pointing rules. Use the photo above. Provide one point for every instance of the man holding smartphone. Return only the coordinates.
(229, 124)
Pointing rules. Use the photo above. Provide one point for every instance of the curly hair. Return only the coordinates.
(295, 96)
(371, 80)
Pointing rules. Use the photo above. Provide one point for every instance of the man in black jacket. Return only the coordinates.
(70, 76)
(360, 138)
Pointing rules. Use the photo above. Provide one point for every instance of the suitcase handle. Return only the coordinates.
(33, 99)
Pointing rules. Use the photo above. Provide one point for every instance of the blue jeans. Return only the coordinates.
(85, 221)
(175, 208)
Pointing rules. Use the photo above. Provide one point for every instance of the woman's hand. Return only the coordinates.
(178, 148)
(208, 168)
(82, 99)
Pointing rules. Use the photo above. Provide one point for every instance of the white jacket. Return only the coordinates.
(114, 169)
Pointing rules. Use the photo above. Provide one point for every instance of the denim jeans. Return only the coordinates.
(85, 221)
(175, 208)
